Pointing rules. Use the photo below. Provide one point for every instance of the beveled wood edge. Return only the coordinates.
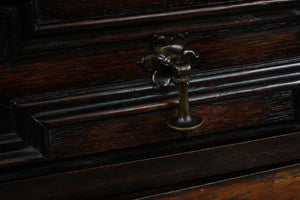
(274, 151)
(251, 176)
(247, 82)
(16, 152)
(142, 86)
(41, 43)
(157, 150)
(182, 14)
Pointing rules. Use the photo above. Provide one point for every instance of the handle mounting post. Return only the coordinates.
(170, 61)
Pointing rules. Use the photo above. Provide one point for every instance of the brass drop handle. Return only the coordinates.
(171, 62)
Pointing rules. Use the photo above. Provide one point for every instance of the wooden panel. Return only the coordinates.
(148, 151)
(83, 55)
(69, 10)
(107, 64)
(102, 57)
(150, 128)
(49, 18)
(140, 27)
(277, 184)
(99, 182)
(116, 118)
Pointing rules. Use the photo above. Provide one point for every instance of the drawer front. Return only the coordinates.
(247, 76)
(74, 100)
(147, 128)
(96, 99)
(98, 121)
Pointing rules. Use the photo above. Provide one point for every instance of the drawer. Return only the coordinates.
(245, 77)
(79, 119)
(122, 116)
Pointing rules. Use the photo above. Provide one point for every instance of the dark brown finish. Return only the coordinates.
(49, 12)
(174, 168)
(104, 123)
(73, 140)
(37, 74)
(13, 151)
(92, 65)
(282, 183)
(93, 16)
(79, 119)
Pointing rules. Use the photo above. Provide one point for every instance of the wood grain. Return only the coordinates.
(55, 62)
(91, 16)
(49, 12)
(134, 176)
(277, 184)
(131, 131)
(118, 118)
(148, 151)
(100, 123)
(118, 64)
(143, 27)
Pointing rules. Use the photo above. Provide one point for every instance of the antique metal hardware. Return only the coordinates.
(171, 62)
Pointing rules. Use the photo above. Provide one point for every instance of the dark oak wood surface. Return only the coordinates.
(79, 119)
(282, 183)
(91, 17)
(173, 168)
(59, 60)
(64, 126)
(50, 12)
(69, 132)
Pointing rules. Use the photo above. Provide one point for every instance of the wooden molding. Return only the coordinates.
(44, 25)
(194, 20)
(97, 117)
(184, 166)
(15, 152)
